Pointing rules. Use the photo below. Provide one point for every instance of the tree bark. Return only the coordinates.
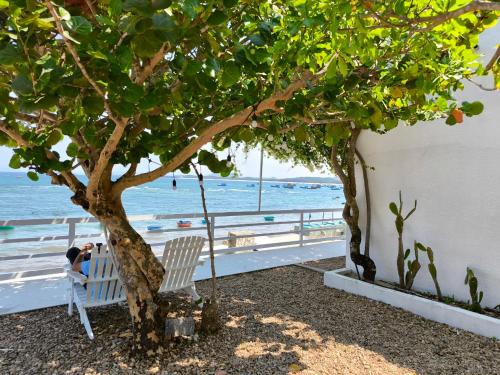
(351, 210)
(368, 203)
(139, 270)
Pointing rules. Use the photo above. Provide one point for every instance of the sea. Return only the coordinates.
(21, 198)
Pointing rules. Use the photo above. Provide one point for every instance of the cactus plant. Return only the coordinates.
(433, 272)
(413, 266)
(476, 298)
(399, 222)
(432, 268)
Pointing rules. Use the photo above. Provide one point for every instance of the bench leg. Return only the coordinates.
(70, 299)
(194, 295)
(86, 323)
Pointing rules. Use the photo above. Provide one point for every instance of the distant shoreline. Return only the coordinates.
(300, 180)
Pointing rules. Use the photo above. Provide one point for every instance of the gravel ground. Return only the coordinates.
(276, 321)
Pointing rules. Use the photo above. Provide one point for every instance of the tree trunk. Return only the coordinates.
(350, 213)
(210, 321)
(140, 272)
(368, 203)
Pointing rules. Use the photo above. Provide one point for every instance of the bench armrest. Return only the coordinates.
(76, 276)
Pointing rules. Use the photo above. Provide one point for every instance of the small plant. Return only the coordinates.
(413, 266)
(476, 298)
(406, 279)
(399, 222)
(433, 272)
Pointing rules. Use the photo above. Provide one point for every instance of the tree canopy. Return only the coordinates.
(127, 79)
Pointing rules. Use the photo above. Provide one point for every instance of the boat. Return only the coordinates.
(314, 187)
(154, 227)
(6, 227)
(304, 187)
(289, 186)
(223, 184)
(251, 185)
(268, 218)
(184, 224)
(276, 186)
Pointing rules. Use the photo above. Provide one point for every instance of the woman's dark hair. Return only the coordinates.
(72, 253)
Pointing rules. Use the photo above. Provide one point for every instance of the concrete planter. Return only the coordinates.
(432, 310)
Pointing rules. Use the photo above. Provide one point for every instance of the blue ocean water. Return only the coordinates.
(21, 198)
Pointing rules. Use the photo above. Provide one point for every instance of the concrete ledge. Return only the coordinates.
(432, 310)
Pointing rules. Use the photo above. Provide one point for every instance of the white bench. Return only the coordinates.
(104, 287)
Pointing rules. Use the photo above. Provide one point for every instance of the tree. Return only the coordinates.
(124, 80)
(402, 65)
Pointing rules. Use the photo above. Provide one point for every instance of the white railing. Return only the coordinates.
(300, 219)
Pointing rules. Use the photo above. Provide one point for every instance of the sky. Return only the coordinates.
(247, 165)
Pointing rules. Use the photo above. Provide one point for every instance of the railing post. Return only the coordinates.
(302, 229)
(71, 234)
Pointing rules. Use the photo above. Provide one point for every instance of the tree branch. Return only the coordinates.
(104, 157)
(150, 66)
(493, 60)
(71, 180)
(238, 119)
(120, 122)
(72, 51)
(15, 136)
(431, 21)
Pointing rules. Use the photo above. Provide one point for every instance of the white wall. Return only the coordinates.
(454, 173)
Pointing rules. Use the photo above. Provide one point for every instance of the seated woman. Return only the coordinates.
(80, 258)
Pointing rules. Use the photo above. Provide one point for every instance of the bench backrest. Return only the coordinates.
(103, 283)
(180, 258)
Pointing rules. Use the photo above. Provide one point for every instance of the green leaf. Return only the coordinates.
(64, 14)
(300, 134)
(472, 109)
(390, 123)
(163, 22)
(98, 55)
(22, 85)
(257, 40)
(161, 4)
(432, 270)
(451, 120)
(407, 253)
(430, 254)
(229, 3)
(93, 105)
(15, 161)
(54, 138)
(10, 55)
(68, 127)
(33, 176)
(146, 45)
(115, 8)
(72, 150)
(393, 208)
(420, 246)
(231, 74)
(141, 7)
(342, 67)
(4, 4)
(217, 17)
(79, 25)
